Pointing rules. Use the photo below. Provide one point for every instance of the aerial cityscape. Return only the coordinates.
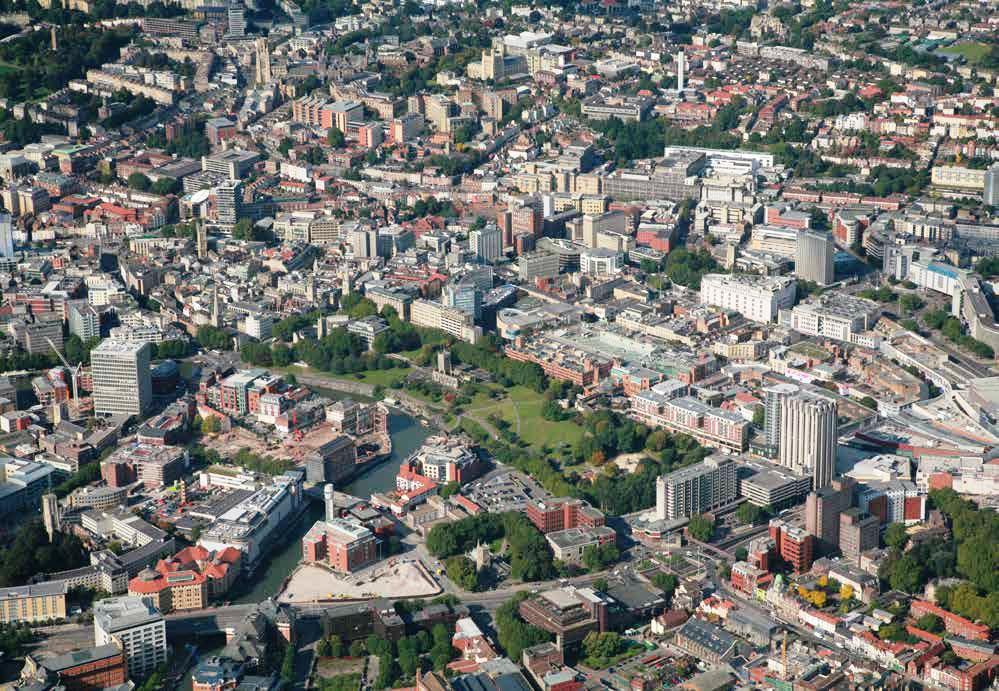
(448, 346)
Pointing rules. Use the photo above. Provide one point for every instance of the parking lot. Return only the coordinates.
(504, 491)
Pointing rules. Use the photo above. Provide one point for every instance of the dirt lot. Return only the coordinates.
(311, 582)
(229, 443)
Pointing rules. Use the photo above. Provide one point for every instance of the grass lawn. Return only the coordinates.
(385, 377)
(522, 409)
(973, 52)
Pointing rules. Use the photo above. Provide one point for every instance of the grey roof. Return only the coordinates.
(79, 657)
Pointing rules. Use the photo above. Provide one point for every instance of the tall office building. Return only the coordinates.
(681, 62)
(991, 192)
(813, 257)
(808, 437)
(229, 202)
(486, 243)
(823, 509)
(237, 20)
(465, 296)
(122, 382)
(696, 489)
(6, 236)
(135, 626)
(774, 399)
(83, 319)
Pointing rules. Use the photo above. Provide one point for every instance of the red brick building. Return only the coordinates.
(794, 545)
(561, 514)
(343, 545)
(957, 625)
(89, 669)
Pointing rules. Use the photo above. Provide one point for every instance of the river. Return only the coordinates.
(407, 436)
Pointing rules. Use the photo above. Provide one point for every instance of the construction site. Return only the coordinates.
(391, 579)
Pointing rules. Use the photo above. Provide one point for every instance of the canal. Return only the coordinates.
(407, 435)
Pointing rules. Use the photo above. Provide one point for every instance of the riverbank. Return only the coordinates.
(407, 436)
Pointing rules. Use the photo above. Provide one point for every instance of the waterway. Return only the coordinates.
(407, 435)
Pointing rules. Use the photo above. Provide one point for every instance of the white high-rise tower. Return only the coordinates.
(808, 437)
(681, 61)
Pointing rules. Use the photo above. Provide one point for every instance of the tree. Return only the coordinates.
(335, 138)
(441, 651)
(512, 632)
(601, 648)
(930, 622)
(701, 528)
(388, 672)
(357, 648)
(245, 230)
(461, 571)
(599, 557)
(666, 582)
(213, 338)
(749, 514)
(138, 181)
(323, 648)
(896, 537)
(288, 664)
(210, 425)
(907, 574)
(450, 489)
(165, 186)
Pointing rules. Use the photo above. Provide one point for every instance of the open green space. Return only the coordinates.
(375, 377)
(973, 52)
(521, 410)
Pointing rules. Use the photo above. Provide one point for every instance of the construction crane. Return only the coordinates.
(74, 372)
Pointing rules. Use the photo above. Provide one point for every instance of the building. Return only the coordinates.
(823, 508)
(122, 384)
(335, 460)
(83, 320)
(758, 298)
(696, 489)
(858, 532)
(705, 641)
(229, 202)
(237, 20)
(137, 627)
(344, 545)
(813, 257)
(51, 516)
(486, 243)
(435, 315)
(233, 164)
(808, 437)
(569, 613)
(990, 196)
(87, 669)
(712, 427)
(552, 515)
(773, 403)
(958, 178)
(252, 524)
(31, 604)
(834, 315)
(6, 237)
(154, 466)
(22, 484)
(956, 625)
(794, 545)
(570, 544)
